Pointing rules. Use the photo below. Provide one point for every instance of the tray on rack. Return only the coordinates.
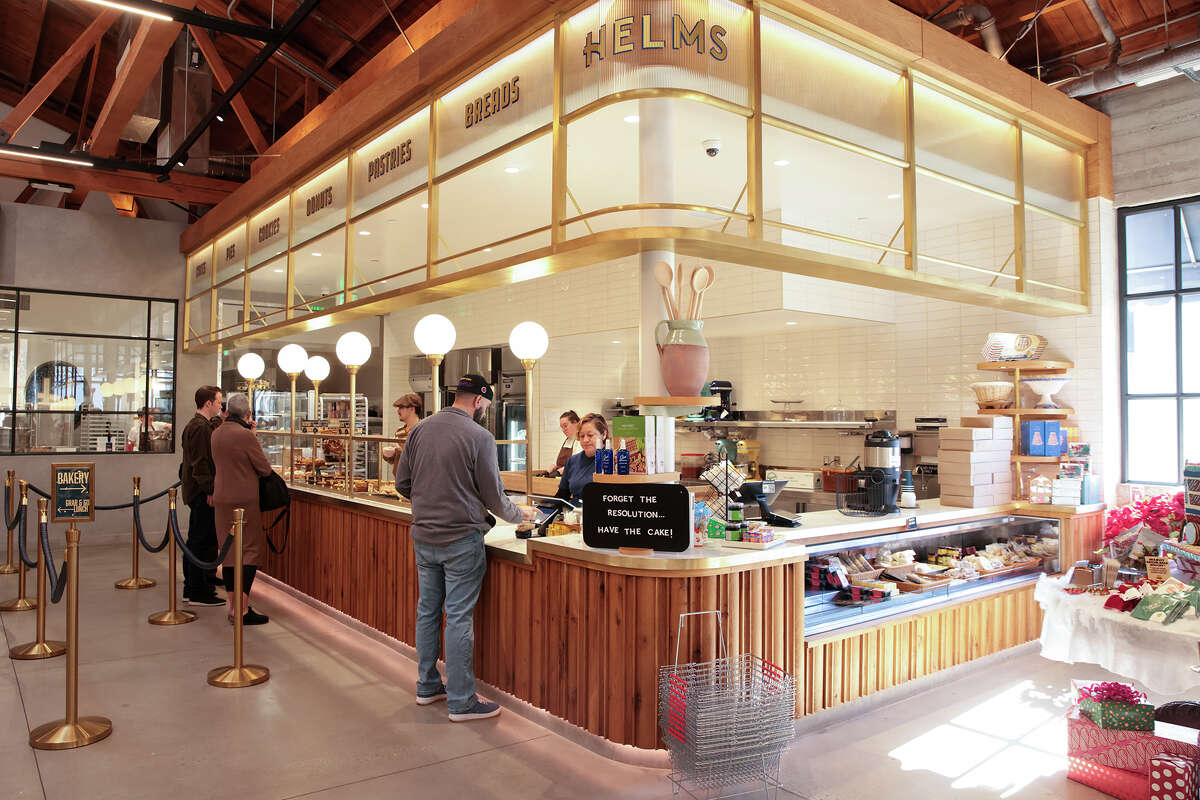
(778, 540)
(1020, 565)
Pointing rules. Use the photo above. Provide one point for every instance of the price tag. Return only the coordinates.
(1158, 568)
(657, 516)
(910, 524)
(71, 497)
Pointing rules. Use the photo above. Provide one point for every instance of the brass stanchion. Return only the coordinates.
(172, 616)
(73, 730)
(238, 675)
(134, 582)
(39, 648)
(20, 602)
(8, 567)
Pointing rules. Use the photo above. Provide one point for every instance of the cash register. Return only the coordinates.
(763, 493)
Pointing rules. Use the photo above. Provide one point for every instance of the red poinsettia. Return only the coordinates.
(1162, 514)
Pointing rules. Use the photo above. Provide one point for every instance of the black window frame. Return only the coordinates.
(18, 391)
(1178, 292)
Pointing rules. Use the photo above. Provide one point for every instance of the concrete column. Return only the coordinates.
(656, 183)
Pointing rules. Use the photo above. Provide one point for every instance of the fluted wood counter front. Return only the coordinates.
(582, 633)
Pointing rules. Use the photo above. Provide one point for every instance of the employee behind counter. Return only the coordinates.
(579, 469)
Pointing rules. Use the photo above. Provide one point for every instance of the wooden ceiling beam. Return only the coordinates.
(361, 33)
(25, 194)
(142, 61)
(1052, 7)
(87, 96)
(46, 114)
(35, 97)
(183, 187)
(224, 80)
(37, 41)
(125, 204)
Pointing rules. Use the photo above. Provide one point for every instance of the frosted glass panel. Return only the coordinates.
(867, 204)
(1150, 345)
(965, 227)
(392, 164)
(320, 204)
(230, 302)
(507, 100)
(1051, 256)
(269, 232)
(504, 197)
(1152, 430)
(199, 313)
(798, 71)
(390, 242)
(268, 293)
(199, 271)
(668, 133)
(230, 253)
(955, 139)
(617, 46)
(319, 273)
(1052, 175)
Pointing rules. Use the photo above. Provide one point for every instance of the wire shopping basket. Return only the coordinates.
(725, 722)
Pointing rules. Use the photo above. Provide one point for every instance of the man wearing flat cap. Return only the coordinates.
(448, 470)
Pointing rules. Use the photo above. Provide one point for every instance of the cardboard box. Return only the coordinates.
(976, 433)
(1001, 445)
(978, 497)
(1054, 437)
(996, 423)
(638, 433)
(972, 460)
(1033, 437)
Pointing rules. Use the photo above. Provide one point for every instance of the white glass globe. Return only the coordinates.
(106, 389)
(251, 366)
(317, 369)
(291, 359)
(353, 349)
(528, 340)
(434, 335)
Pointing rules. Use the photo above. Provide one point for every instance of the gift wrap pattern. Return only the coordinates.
(1127, 750)
(1120, 783)
(1173, 778)
(1116, 715)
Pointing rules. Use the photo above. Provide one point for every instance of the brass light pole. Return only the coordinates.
(250, 366)
(292, 359)
(353, 349)
(529, 342)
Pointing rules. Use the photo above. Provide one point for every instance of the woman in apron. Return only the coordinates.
(568, 421)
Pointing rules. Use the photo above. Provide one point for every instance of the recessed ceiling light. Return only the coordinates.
(364, 233)
(487, 249)
(789, 323)
(424, 205)
(893, 197)
(277, 270)
(383, 281)
(374, 260)
(220, 118)
(316, 255)
(632, 118)
(512, 170)
(783, 162)
(616, 341)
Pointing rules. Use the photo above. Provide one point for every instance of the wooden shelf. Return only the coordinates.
(1029, 365)
(714, 400)
(1035, 459)
(657, 477)
(1046, 413)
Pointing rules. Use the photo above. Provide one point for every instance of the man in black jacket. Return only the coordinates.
(197, 475)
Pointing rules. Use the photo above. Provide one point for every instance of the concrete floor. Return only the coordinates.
(337, 720)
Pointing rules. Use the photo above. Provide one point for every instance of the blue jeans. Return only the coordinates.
(451, 576)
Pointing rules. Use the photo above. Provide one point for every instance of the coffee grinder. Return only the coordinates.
(879, 479)
(723, 389)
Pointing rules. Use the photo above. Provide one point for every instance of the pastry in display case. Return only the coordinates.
(849, 583)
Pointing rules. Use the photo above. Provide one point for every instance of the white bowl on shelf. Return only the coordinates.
(1044, 388)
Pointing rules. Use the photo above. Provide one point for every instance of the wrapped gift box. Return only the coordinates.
(1128, 750)
(1116, 715)
(1173, 778)
(1120, 783)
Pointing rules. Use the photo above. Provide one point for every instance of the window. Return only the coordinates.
(1160, 330)
(76, 369)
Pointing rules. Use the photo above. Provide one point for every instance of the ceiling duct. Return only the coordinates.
(1178, 61)
(1106, 30)
(188, 98)
(979, 16)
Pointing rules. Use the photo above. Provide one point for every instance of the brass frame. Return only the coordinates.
(90, 466)
(565, 252)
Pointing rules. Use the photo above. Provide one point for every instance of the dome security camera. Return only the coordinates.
(712, 147)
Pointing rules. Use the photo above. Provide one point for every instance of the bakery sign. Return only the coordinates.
(650, 31)
(71, 496)
(655, 516)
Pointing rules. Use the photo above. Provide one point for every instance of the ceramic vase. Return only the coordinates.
(682, 356)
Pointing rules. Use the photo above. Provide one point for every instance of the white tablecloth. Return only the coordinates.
(1077, 627)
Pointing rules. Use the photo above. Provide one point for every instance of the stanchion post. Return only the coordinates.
(8, 567)
(238, 675)
(73, 730)
(172, 616)
(39, 648)
(20, 602)
(135, 582)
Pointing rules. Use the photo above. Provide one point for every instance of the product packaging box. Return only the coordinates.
(997, 423)
(638, 433)
(1119, 783)
(976, 497)
(1033, 437)
(1127, 750)
(664, 439)
(957, 461)
(1054, 437)
(1173, 777)
(1002, 442)
(969, 433)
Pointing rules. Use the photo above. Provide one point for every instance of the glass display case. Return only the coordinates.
(910, 571)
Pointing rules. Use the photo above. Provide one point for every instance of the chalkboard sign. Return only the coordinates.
(657, 516)
(71, 495)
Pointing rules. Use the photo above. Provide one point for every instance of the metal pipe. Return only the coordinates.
(1124, 74)
(1106, 30)
(979, 16)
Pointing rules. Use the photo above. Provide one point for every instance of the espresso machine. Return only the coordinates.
(879, 479)
(723, 412)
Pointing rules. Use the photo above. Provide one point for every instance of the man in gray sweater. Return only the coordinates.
(449, 472)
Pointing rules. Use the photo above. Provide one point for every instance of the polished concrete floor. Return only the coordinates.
(337, 720)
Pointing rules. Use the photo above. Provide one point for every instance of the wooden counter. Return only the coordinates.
(582, 632)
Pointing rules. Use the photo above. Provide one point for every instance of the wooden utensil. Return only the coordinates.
(679, 288)
(702, 279)
(665, 278)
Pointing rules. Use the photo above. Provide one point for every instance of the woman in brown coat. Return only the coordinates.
(239, 462)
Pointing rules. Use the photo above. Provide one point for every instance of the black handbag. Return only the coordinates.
(273, 492)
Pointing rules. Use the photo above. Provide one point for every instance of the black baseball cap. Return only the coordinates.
(475, 384)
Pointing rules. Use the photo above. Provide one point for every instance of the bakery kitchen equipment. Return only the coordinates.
(724, 389)
(879, 478)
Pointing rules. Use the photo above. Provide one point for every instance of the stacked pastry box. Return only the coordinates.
(974, 462)
(1128, 749)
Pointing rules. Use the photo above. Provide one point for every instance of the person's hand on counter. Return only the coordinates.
(529, 512)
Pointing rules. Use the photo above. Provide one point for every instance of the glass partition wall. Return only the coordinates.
(704, 121)
(76, 369)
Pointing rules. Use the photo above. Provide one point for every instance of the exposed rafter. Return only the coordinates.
(224, 81)
(41, 24)
(183, 187)
(362, 31)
